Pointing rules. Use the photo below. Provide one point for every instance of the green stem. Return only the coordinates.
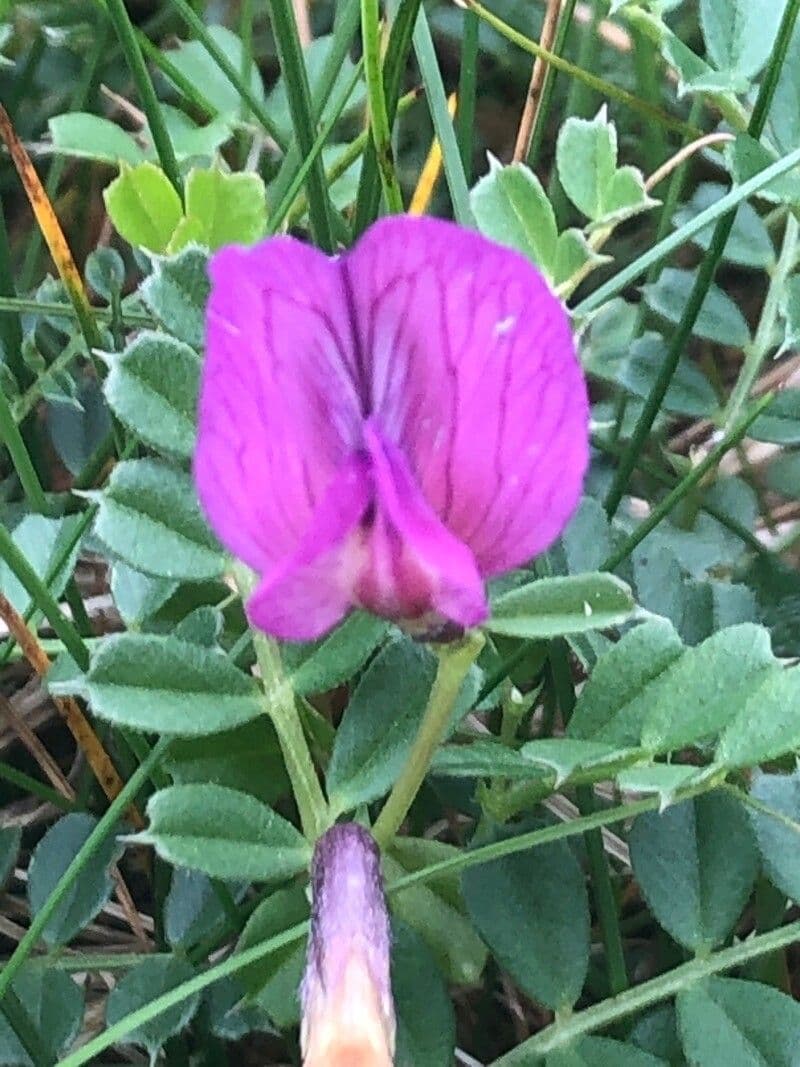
(378, 114)
(295, 79)
(600, 1016)
(695, 476)
(559, 44)
(599, 866)
(12, 438)
(30, 305)
(762, 344)
(279, 704)
(436, 96)
(147, 94)
(104, 827)
(43, 598)
(348, 156)
(705, 277)
(467, 83)
(400, 36)
(23, 1026)
(244, 89)
(454, 662)
(10, 326)
(282, 210)
(36, 788)
(591, 81)
(463, 860)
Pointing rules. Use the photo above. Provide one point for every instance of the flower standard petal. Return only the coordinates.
(278, 412)
(473, 375)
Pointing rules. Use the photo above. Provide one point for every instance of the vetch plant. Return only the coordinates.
(420, 597)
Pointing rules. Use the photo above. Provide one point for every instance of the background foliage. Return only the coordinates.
(602, 865)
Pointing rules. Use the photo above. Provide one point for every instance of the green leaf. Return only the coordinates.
(719, 320)
(224, 833)
(780, 423)
(550, 607)
(81, 135)
(142, 984)
(89, 892)
(607, 708)
(247, 758)
(696, 864)
(426, 1026)
(381, 722)
(54, 1004)
(105, 272)
(602, 1052)
(566, 756)
(149, 518)
(746, 157)
(739, 34)
(689, 393)
(193, 61)
(169, 686)
(749, 244)
(777, 841)
(317, 666)
(511, 207)
(783, 121)
(587, 538)
(152, 388)
(78, 422)
(143, 206)
(533, 912)
(192, 909)
(222, 209)
(10, 838)
(42, 542)
(738, 1023)
(315, 56)
(176, 293)
(436, 911)
(586, 157)
(767, 726)
(274, 982)
(783, 474)
(656, 1032)
(658, 779)
(696, 697)
(138, 596)
(483, 759)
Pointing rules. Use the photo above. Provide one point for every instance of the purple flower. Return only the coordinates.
(348, 1012)
(387, 428)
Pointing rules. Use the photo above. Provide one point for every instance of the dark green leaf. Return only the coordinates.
(533, 912)
(170, 686)
(739, 1024)
(152, 388)
(778, 842)
(149, 518)
(426, 1027)
(318, 666)
(54, 1004)
(554, 606)
(146, 981)
(224, 833)
(176, 293)
(89, 892)
(696, 864)
(719, 320)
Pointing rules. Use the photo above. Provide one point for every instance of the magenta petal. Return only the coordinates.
(417, 568)
(311, 590)
(278, 410)
(474, 378)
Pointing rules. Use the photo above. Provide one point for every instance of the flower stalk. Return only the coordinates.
(455, 661)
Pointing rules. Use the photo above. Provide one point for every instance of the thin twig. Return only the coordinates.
(528, 120)
(59, 781)
(688, 150)
(79, 726)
